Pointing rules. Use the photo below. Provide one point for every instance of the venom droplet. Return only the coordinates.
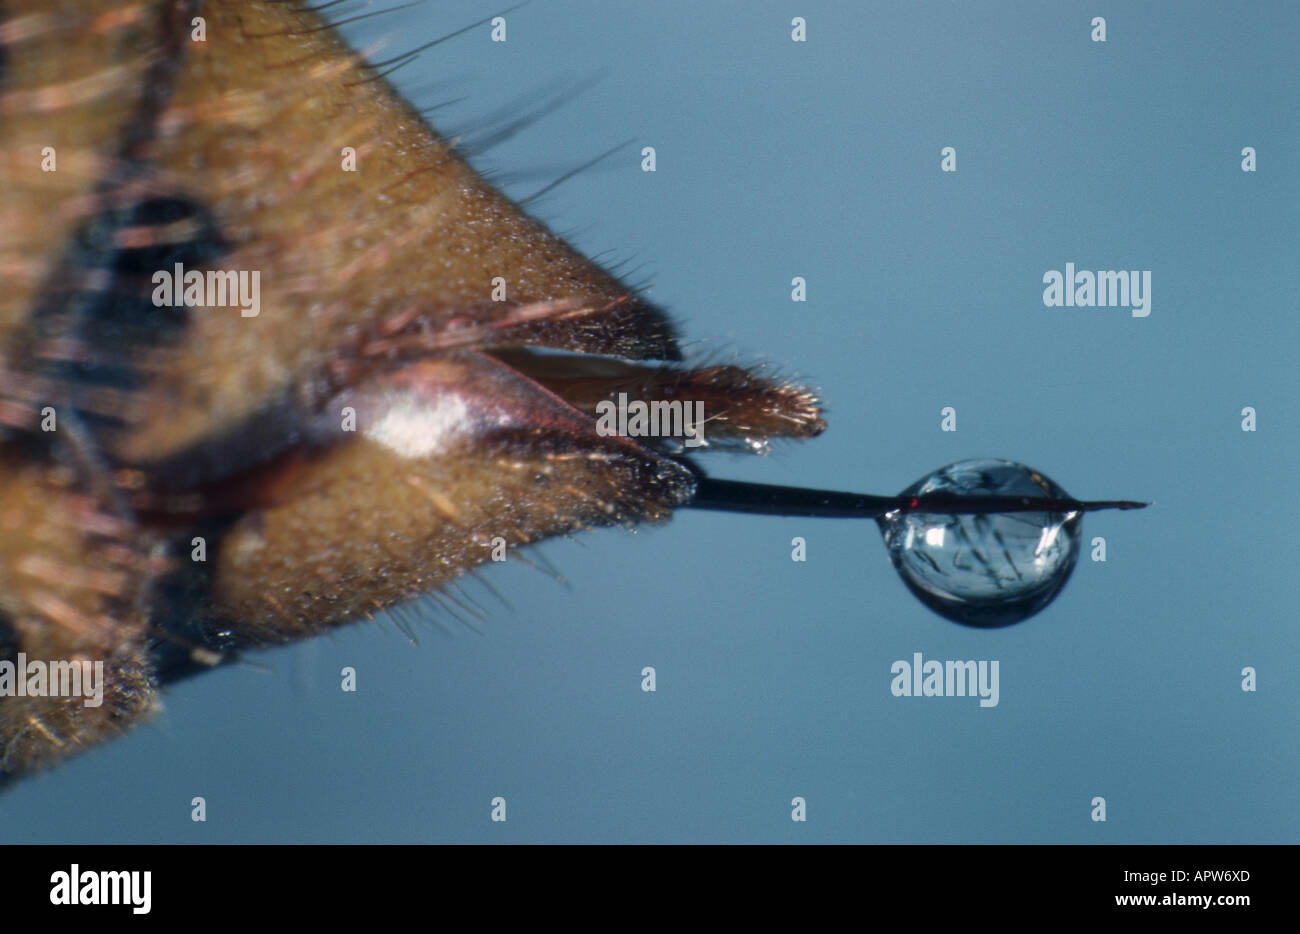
(990, 569)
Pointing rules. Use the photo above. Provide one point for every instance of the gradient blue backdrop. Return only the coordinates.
(821, 159)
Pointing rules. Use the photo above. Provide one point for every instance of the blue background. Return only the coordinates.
(821, 159)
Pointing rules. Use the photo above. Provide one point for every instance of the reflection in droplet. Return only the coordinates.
(984, 570)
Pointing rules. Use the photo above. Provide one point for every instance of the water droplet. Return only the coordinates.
(984, 570)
